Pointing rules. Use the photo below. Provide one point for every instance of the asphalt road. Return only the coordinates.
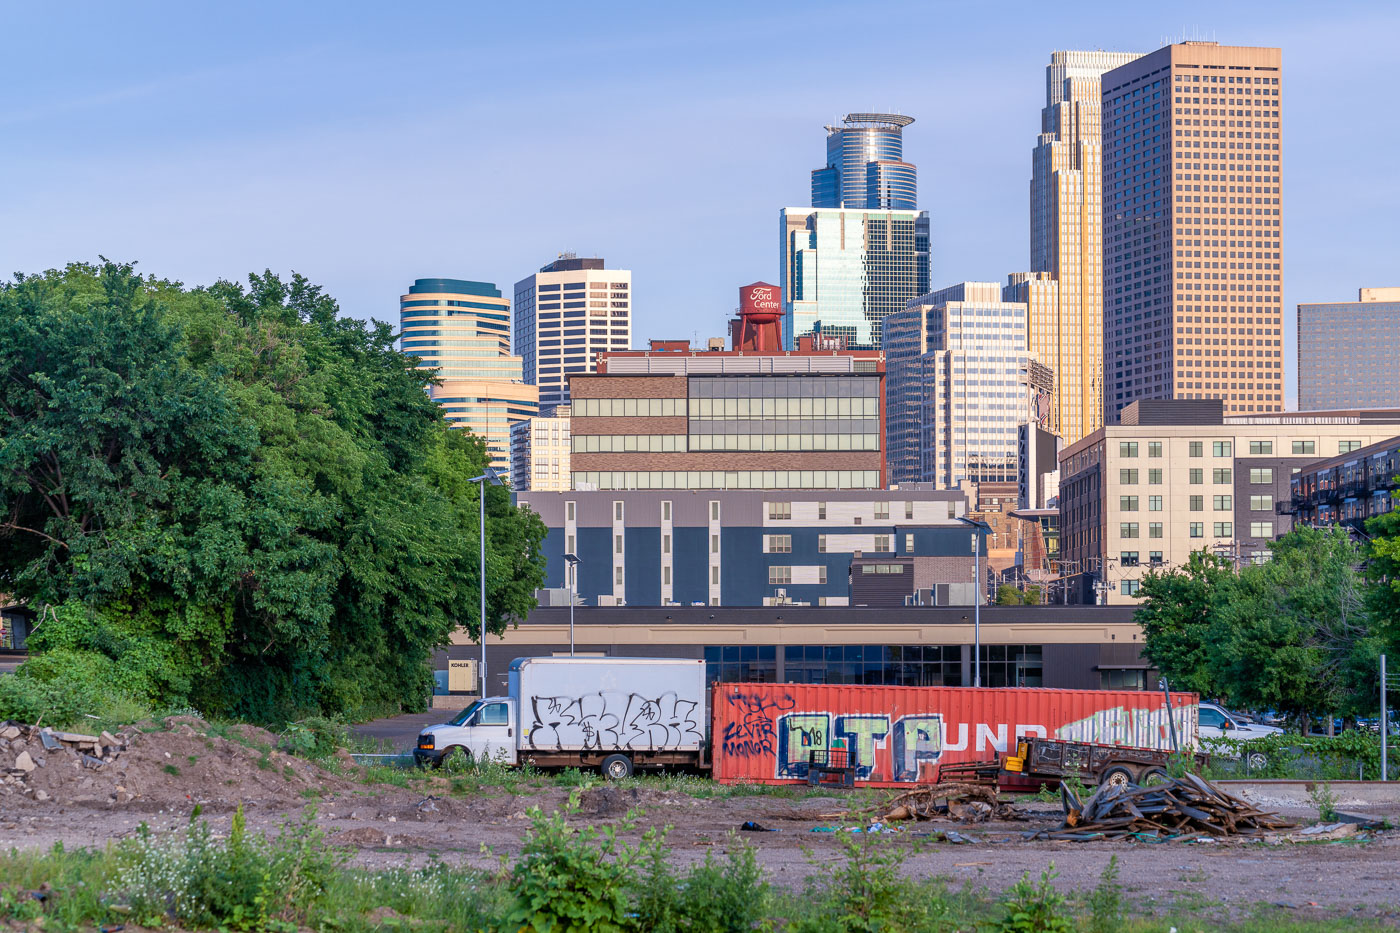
(400, 732)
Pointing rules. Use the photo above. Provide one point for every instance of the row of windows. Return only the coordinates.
(614, 443)
(733, 479)
(782, 576)
(629, 407)
(748, 408)
(891, 665)
(1198, 529)
(1226, 448)
(759, 442)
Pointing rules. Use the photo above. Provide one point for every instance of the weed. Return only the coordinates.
(193, 758)
(172, 769)
(1325, 799)
(713, 897)
(264, 762)
(1034, 908)
(288, 772)
(1106, 901)
(866, 894)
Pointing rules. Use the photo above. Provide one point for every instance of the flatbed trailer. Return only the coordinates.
(1090, 762)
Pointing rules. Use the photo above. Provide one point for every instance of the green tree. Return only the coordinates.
(1178, 610)
(244, 492)
(1383, 574)
(1295, 634)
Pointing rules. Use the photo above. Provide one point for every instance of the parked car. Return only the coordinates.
(1216, 722)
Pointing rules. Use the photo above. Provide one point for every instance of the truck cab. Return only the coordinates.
(487, 730)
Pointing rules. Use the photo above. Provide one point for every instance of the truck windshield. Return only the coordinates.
(466, 714)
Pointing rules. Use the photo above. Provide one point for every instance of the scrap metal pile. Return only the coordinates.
(967, 803)
(1186, 807)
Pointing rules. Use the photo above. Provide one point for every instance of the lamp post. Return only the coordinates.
(492, 478)
(573, 562)
(979, 527)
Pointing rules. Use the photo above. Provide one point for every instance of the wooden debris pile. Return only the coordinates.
(1186, 807)
(967, 803)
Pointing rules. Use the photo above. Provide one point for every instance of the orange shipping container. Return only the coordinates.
(765, 733)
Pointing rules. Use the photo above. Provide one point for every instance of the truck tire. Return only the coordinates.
(1116, 776)
(447, 753)
(1153, 776)
(616, 767)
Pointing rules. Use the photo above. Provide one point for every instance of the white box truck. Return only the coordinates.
(614, 714)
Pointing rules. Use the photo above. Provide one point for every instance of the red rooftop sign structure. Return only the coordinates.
(760, 324)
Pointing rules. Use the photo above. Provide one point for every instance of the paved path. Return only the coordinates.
(400, 732)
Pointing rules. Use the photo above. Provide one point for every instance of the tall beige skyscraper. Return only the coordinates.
(1193, 271)
(1066, 235)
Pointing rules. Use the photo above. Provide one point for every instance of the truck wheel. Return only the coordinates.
(466, 756)
(616, 767)
(1154, 776)
(1116, 776)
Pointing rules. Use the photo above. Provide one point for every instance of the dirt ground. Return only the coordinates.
(162, 776)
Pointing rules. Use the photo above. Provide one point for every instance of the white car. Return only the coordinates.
(1215, 722)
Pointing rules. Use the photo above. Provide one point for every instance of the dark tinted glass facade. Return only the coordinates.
(865, 167)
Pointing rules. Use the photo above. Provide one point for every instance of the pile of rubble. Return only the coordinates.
(26, 749)
(963, 802)
(1188, 807)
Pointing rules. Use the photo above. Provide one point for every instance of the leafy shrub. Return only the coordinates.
(1034, 908)
(867, 895)
(713, 897)
(571, 880)
(1106, 901)
(1325, 799)
(315, 737)
(246, 882)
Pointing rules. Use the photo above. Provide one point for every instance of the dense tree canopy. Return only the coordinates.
(1293, 634)
(233, 497)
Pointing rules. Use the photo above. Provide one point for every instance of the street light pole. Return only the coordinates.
(979, 527)
(493, 478)
(572, 561)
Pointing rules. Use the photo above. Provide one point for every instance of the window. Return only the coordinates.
(821, 511)
(714, 544)
(1128, 558)
(1127, 503)
(1224, 529)
(1154, 448)
(779, 544)
(1129, 587)
(1261, 447)
(1221, 476)
(909, 544)
(779, 576)
(569, 545)
(882, 511)
(569, 512)
(1261, 529)
(494, 714)
(666, 510)
(778, 511)
(1128, 477)
(1154, 529)
(714, 574)
(1346, 447)
(1154, 558)
(1261, 475)
(617, 511)
(665, 544)
(1261, 503)
(714, 511)
(1197, 448)
(1210, 718)
(1154, 477)
(1224, 503)
(1198, 529)
(1198, 503)
(617, 544)
(666, 575)
(1127, 448)
(1221, 449)
(882, 543)
(1012, 666)
(617, 576)
(1304, 447)
(908, 511)
(821, 544)
(1197, 475)
(1128, 529)
(1154, 503)
(1123, 680)
(821, 574)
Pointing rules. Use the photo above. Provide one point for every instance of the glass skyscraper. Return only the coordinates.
(865, 167)
(844, 271)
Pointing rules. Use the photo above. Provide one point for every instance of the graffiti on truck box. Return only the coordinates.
(908, 748)
(614, 720)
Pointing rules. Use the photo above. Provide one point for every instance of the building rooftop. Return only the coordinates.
(1360, 454)
(453, 287)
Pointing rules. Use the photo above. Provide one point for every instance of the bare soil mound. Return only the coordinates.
(149, 771)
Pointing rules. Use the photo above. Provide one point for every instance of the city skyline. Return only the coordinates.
(175, 173)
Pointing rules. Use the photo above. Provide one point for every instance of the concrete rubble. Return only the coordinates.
(25, 751)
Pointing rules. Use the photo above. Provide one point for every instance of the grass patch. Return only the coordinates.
(172, 770)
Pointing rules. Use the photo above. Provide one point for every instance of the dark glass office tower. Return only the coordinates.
(865, 167)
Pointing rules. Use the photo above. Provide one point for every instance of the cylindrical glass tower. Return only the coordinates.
(865, 167)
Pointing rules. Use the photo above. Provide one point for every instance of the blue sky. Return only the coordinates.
(365, 145)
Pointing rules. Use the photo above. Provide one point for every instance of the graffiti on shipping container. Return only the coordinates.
(614, 720)
(915, 743)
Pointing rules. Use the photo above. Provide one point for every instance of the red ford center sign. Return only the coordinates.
(761, 301)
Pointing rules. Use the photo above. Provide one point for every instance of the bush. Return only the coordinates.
(1106, 901)
(1034, 908)
(867, 894)
(62, 687)
(713, 897)
(315, 737)
(244, 883)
